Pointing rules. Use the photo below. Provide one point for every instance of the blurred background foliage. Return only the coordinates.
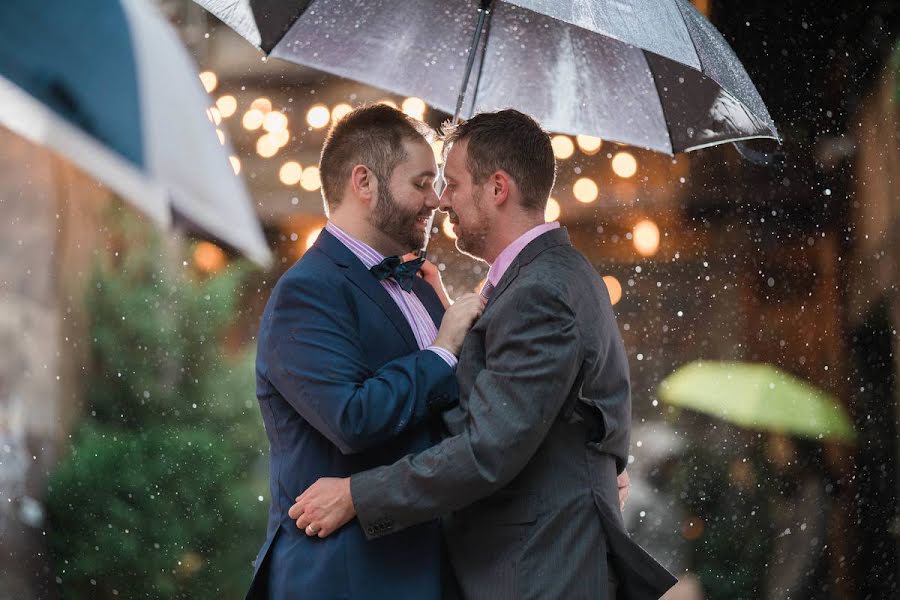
(164, 492)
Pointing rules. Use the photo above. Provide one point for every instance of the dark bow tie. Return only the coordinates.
(393, 267)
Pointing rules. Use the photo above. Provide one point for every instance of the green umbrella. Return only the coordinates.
(757, 396)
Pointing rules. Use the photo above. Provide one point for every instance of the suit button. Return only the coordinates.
(370, 531)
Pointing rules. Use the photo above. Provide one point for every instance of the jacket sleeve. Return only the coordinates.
(315, 360)
(532, 360)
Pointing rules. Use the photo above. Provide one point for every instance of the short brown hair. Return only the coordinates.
(371, 135)
(511, 141)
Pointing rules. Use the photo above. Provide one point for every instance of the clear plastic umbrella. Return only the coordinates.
(654, 74)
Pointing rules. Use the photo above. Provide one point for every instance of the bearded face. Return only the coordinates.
(404, 222)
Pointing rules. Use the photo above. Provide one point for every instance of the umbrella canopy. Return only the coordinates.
(757, 396)
(107, 84)
(654, 74)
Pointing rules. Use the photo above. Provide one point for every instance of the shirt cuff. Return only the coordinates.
(448, 356)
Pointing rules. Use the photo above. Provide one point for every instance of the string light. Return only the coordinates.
(318, 116)
(253, 119)
(266, 146)
(340, 111)
(235, 164)
(274, 122)
(209, 81)
(262, 104)
(208, 257)
(414, 107)
(227, 105)
(589, 144)
(281, 137)
(585, 190)
(645, 237)
(312, 237)
(310, 180)
(624, 165)
(563, 147)
(552, 211)
(614, 288)
(290, 173)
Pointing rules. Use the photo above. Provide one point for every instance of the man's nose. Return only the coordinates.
(432, 200)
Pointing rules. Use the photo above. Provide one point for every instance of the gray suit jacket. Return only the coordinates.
(527, 478)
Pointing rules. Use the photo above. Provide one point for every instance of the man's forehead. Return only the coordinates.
(456, 157)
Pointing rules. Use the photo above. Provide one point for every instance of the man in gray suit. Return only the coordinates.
(527, 479)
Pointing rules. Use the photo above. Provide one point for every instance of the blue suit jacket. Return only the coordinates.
(343, 387)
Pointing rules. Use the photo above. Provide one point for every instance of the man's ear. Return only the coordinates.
(363, 183)
(500, 184)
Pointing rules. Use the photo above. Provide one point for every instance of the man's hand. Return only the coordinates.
(624, 484)
(324, 507)
(432, 276)
(457, 321)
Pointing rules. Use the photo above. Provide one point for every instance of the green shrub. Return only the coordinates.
(164, 491)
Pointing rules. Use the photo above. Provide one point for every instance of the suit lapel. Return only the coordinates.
(357, 273)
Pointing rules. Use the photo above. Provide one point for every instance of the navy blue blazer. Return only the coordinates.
(343, 388)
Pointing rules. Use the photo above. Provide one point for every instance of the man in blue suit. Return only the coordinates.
(352, 371)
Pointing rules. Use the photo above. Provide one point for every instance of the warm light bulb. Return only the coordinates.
(318, 116)
(281, 137)
(589, 144)
(208, 257)
(388, 102)
(274, 122)
(585, 190)
(235, 164)
(614, 288)
(227, 105)
(262, 104)
(551, 212)
(290, 173)
(310, 180)
(414, 107)
(312, 237)
(340, 111)
(562, 146)
(253, 119)
(209, 81)
(646, 238)
(624, 165)
(266, 146)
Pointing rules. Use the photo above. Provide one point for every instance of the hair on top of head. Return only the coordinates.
(370, 135)
(510, 141)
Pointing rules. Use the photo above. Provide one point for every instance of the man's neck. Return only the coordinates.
(362, 230)
(506, 235)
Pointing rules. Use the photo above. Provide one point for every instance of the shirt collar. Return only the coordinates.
(509, 254)
(367, 255)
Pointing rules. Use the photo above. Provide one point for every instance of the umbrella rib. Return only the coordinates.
(659, 97)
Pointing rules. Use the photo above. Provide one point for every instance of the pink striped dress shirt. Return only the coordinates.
(409, 304)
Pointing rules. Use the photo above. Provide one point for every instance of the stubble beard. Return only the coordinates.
(472, 242)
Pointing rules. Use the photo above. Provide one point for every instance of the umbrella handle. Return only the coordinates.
(484, 11)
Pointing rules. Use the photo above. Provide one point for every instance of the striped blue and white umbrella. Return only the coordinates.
(108, 85)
